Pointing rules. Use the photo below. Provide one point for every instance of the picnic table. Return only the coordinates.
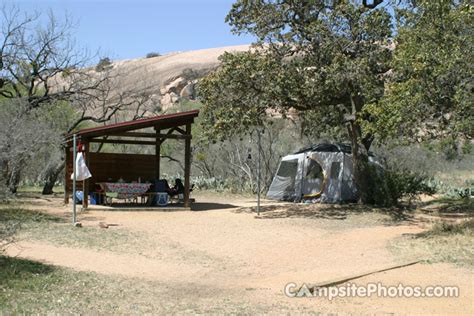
(125, 190)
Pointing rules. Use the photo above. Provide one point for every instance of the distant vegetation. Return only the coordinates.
(348, 90)
(45, 93)
(153, 54)
(342, 71)
(103, 64)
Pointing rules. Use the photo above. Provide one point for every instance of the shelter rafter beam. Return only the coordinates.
(174, 136)
(134, 134)
(122, 141)
(152, 135)
(139, 142)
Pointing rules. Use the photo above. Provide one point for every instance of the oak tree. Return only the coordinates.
(324, 60)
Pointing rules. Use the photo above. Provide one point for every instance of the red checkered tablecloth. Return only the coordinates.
(126, 190)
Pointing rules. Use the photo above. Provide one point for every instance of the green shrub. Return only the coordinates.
(395, 183)
(467, 148)
(448, 190)
(405, 183)
(104, 64)
(204, 183)
(449, 148)
(153, 54)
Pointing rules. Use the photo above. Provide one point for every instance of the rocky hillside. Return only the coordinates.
(171, 77)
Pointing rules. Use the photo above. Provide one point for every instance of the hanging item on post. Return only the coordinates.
(82, 172)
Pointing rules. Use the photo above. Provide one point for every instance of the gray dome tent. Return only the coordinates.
(322, 171)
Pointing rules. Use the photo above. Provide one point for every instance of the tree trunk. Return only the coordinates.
(13, 180)
(51, 177)
(362, 174)
(4, 176)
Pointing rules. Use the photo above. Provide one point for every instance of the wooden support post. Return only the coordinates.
(85, 183)
(187, 165)
(157, 154)
(67, 157)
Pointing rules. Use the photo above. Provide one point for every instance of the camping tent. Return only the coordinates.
(322, 172)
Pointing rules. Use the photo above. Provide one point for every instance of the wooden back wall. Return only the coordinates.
(109, 167)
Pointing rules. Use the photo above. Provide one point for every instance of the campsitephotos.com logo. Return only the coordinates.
(369, 290)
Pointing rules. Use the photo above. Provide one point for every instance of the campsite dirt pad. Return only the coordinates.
(223, 246)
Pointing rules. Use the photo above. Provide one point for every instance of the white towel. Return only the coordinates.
(82, 172)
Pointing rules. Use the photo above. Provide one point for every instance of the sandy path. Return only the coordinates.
(238, 252)
(252, 262)
(105, 262)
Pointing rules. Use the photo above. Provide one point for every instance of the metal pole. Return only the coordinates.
(258, 173)
(342, 177)
(74, 151)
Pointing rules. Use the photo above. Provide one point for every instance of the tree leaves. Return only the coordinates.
(310, 58)
(431, 91)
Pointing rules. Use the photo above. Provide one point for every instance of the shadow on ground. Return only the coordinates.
(90, 218)
(449, 206)
(210, 206)
(326, 211)
(12, 213)
(15, 269)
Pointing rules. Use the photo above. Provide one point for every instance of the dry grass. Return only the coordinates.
(444, 242)
(28, 287)
(39, 226)
(334, 217)
(64, 234)
(32, 287)
(456, 178)
(221, 261)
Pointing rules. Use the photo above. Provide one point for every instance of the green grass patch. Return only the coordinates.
(38, 189)
(15, 271)
(31, 287)
(14, 214)
(13, 219)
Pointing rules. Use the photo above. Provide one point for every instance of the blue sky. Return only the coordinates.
(124, 29)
